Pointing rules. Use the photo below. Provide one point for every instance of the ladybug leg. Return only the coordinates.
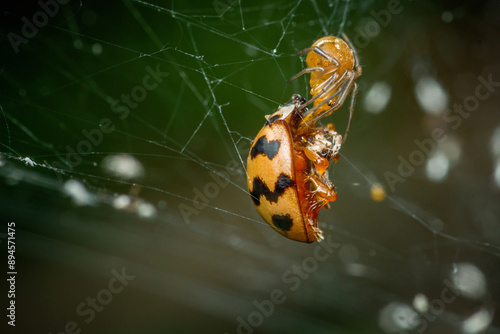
(323, 190)
(320, 163)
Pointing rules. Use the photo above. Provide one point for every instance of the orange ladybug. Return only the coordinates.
(284, 182)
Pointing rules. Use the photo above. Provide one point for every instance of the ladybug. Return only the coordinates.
(287, 174)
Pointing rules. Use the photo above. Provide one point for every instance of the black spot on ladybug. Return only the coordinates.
(272, 119)
(284, 223)
(262, 146)
(261, 189)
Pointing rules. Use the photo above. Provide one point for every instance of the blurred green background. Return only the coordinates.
(102, 167)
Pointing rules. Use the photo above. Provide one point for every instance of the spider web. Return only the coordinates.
(125, 131)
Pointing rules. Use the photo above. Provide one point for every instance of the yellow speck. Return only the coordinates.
(330, 126)
(377, 192)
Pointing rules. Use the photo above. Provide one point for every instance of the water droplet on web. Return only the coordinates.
(437, 167)
(97, 49)
(495, 142)
(123, 166)
(477, 322)
(78, 193)
(78, 44)
(121, 202)
(397, 316)
(234, 240)
(452, 149)
(251, 51)
(470, 280)
(357, 269)
(447, 16)
(146, 210)
(14, 177)
(496, 173)
(431, 96)
(162, 204)
(421, 303)
(378, 97)
(436, 225)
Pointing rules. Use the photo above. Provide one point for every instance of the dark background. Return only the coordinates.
(202, 275)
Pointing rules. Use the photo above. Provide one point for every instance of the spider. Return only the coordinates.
(334, 67)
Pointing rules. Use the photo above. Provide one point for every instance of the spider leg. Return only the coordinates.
(306, 70)
(322, 53)
(313, 109)
(304, 50)
(322, 70)
(354, 53)
(308, 102)
(328, 86)
(351, 109)
(345, 89)
(324, 86)
(353, 50)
